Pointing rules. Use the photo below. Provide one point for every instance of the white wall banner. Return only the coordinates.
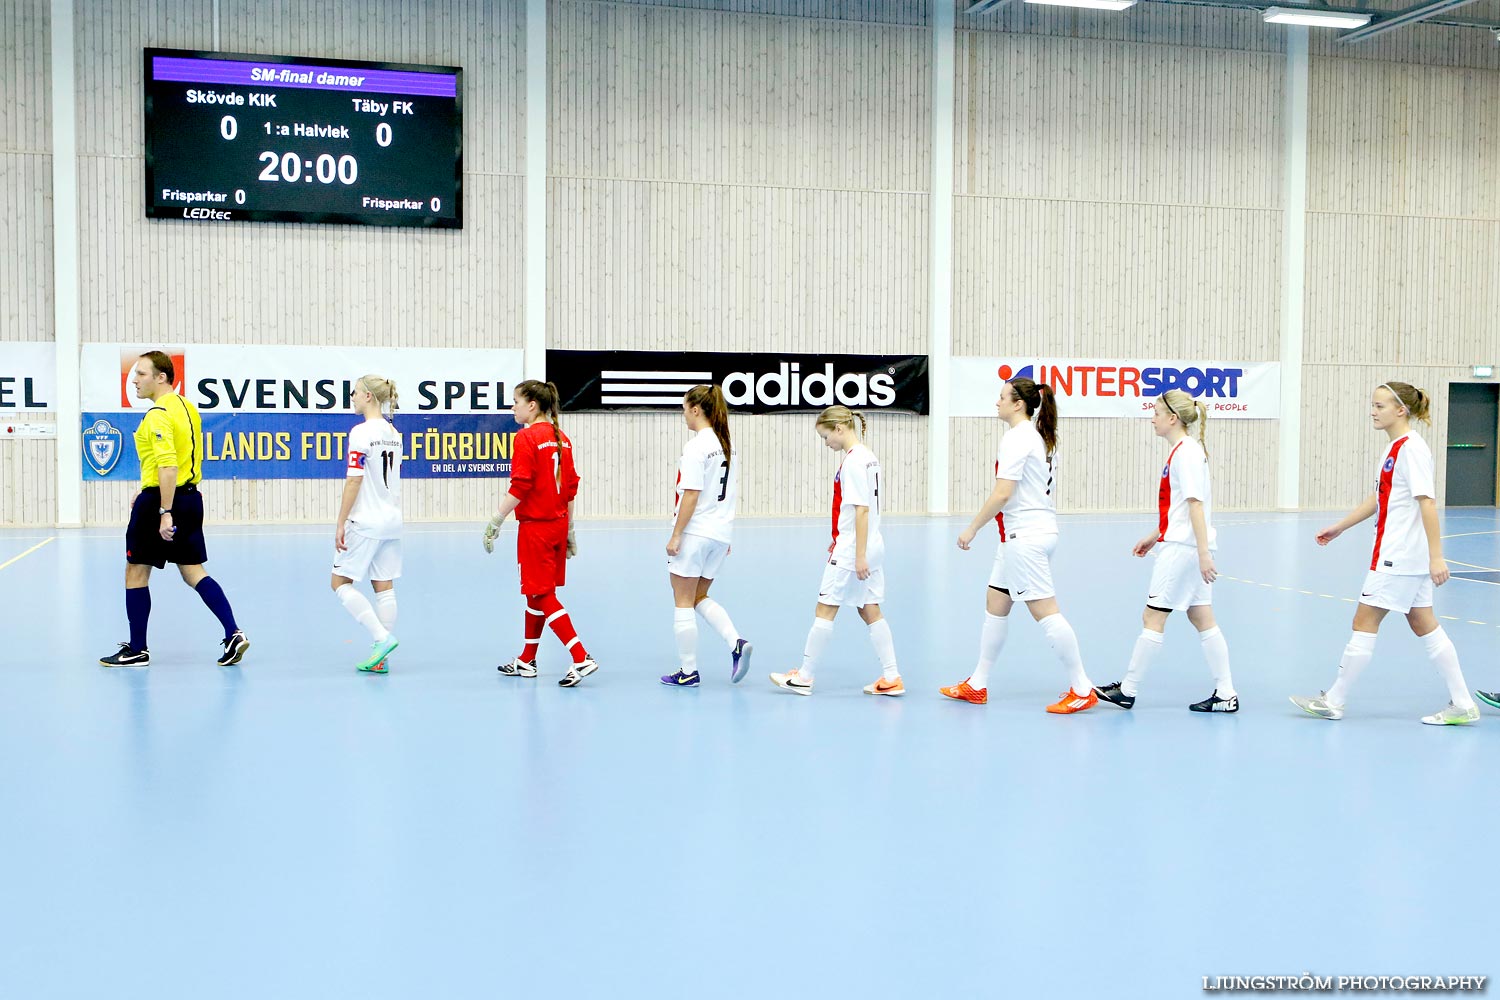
(259, 378)
(28, 375)
(272, 412)
(1122, 388)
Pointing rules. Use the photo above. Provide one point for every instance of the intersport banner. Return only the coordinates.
(752, 383)
(1122, 388)
(273, 412)
(28, 375)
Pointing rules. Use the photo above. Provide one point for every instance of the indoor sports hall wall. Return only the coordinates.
(284, 284)
(759, 179)
(27, 486)
(1403, 229)
(739, 181)
(1118, 193)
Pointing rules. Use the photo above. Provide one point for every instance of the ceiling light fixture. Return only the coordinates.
(1315, 18)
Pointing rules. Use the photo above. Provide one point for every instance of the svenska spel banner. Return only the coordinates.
(1244, 390)
(28, 375)
(276, 412)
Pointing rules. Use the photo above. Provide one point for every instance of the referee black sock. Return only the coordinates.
(138, 610)
(213, 596)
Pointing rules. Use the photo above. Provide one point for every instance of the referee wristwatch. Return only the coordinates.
(163, 510)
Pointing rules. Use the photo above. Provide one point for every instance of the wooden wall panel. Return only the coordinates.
(1403, 241)
(1110, 280)
(1108, 465)
(629, 463)
(727, 181)
(155, 281)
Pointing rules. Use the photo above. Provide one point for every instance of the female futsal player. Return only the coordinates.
(1023, 506)
(707, 491)
(1183, 577)
(367, 539)
(543, 483)
(855, 575)
(1407, 561)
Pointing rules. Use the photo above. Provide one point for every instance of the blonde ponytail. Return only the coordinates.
(382, 388)
(1189, 411)
(840, 416)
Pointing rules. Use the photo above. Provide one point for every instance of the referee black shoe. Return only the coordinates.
(234, 649)
(127, 657)
(1112, 694)
(1213, 703)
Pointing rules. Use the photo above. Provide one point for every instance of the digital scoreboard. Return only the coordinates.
(233, 137)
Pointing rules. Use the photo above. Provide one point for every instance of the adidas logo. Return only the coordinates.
(788, 385)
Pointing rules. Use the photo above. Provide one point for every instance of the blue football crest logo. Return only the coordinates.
(103, 444)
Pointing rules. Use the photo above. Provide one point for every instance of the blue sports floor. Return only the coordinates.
(290, 828)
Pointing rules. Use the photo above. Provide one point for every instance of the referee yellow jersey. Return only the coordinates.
(171, 434)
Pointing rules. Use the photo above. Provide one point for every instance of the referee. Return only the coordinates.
(166, 520)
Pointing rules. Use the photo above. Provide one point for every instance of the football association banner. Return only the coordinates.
(1244, 390)
(273, 412)
(752, 383)
(28, 375)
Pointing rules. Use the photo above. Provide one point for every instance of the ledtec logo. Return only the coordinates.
(128, 362)
(1128, 380)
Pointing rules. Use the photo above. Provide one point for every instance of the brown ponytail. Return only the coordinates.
(1041, 401)
(1417, 402)
(544, 395)
(710, 399)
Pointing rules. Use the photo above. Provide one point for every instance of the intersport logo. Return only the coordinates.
(758, 383)
(1121, 388)
(1129, 380)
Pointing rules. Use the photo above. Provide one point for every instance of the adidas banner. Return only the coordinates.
(752, 383)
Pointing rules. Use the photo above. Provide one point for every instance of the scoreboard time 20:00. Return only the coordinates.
(233, 137)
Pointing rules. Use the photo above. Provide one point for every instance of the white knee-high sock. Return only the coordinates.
(358, 605)
(817, 641)
(1147, 645)
(685, 626)
(385, 608)
(1443, 656)
(885, 649)
(1357, 656)
(1216, 652)
(718, 620)
(1064, 642)
(991, 641)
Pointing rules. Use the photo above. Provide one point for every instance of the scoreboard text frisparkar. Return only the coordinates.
(233, 137)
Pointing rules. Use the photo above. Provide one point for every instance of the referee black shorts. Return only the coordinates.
(143, 542)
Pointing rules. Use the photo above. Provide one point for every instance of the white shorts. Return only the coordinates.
(1023, 566)
(698, 557)
(842, 588)
(1176, 582)
(367, 558)
(1396, 593)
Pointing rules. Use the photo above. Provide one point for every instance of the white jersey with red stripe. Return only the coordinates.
(705, 467)
(1400, 539)
(1184, 478)
(1023, 460)
(375, 456)
(857, 484)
